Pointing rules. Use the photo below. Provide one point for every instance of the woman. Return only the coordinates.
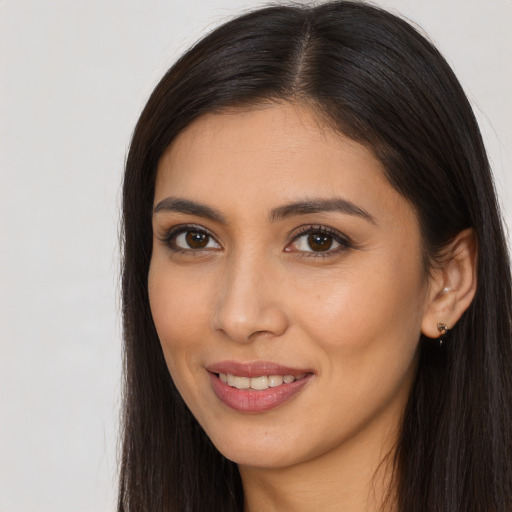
(316, 287)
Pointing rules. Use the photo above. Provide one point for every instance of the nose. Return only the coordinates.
(247, 305)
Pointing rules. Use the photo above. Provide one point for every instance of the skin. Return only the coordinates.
(351, 315)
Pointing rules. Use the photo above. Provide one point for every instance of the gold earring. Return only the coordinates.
(443, 329)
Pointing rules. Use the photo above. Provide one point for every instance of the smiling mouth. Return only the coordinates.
(256, 386)
(258, 383)
(257, 394)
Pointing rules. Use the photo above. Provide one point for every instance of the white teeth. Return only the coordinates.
(258, 383)
(275, 380)
(242, 382)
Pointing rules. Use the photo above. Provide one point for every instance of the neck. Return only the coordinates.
(356, 477)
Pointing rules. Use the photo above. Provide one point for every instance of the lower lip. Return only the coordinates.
(250, 400)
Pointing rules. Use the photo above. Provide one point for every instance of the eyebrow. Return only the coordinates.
(305, 207)
(175, 204)
(308, 206)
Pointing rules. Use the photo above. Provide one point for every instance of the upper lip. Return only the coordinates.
(254, 369)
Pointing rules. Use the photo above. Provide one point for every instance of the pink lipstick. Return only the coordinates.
(257, 386)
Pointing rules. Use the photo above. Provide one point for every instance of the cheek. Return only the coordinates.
(364, 328)
(176, 311)
(361, 313)
(178, 307)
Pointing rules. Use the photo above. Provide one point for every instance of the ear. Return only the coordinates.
(452, 284)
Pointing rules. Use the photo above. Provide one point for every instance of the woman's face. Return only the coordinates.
(285, 264)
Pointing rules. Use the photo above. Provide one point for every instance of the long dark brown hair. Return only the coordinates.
(377, 80)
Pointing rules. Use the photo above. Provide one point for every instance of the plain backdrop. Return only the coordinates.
(74, 76)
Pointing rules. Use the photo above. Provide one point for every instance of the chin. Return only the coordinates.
(255, 449)
(258, 457)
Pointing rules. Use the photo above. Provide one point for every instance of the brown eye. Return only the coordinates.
(196, 239)
(319, 242)
(192, 240)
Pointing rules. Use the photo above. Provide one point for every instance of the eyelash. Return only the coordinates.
(343, 241)
(170, 236)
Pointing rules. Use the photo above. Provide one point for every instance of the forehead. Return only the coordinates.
(269, 155)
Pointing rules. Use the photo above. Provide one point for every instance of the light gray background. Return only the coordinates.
(74, 76)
